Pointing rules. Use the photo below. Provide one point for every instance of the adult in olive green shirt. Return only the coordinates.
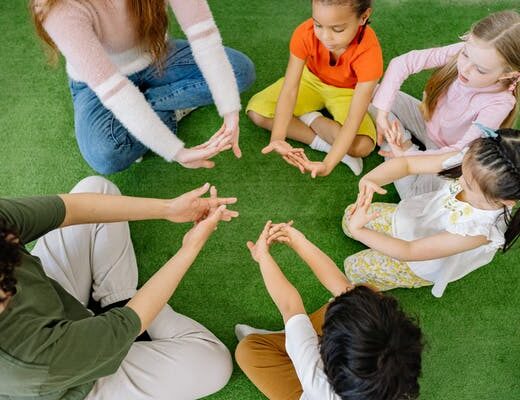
(53, 347)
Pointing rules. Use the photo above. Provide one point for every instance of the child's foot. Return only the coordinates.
(180, 114)
(354, 163)
(242, 330)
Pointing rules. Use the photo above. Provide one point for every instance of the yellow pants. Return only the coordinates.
(376, 269)
(265, 361)
(313, 95)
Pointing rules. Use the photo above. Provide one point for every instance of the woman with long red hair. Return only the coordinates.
(130, 83)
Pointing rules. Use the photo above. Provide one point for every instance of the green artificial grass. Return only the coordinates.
(472, 332)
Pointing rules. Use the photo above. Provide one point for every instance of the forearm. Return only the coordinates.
(321, 265)
(349, 130)
(283, 113)
(85, 208)
(388, 245)
(284, 294)
(151, 298)
(388, 172)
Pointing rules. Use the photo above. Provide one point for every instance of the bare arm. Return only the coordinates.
(320, 263)
(84, 208)
(284, 294)
(349, 130)
(440, 245)
(155, 293)
(287, 99)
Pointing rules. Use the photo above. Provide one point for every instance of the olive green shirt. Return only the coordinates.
(51, 346)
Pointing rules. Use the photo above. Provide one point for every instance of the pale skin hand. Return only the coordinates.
(199, 156)
(192, 207)
(293, 156)
(230, 126)
(382, 125)
(321, 265)
(394, 136)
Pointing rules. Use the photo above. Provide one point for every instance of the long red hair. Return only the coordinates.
(149, 17)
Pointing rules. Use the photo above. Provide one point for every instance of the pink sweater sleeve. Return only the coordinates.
(197, 23)
(70, 27)
(491, 116)
(403, 66)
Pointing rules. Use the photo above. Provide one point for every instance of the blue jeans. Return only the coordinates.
(106, 145)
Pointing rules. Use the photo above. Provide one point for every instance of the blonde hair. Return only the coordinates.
(149, 17)
(502, 31)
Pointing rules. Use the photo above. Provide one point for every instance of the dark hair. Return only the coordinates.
(371, 350)
(498, 177)
(358, 6)
(10, 257)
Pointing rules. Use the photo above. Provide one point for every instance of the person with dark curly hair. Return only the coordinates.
(136, 346)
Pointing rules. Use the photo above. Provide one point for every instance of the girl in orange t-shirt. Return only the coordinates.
(335, 62)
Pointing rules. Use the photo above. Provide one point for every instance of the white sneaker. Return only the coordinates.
(180, 114)
(242, 330)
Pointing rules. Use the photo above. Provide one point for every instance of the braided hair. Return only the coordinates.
(10, 257)
(498, 177)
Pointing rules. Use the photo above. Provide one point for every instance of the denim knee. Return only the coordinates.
(243, 68)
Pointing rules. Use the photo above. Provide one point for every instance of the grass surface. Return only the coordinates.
(472, 333)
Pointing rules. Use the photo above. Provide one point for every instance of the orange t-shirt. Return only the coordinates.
(361, 62)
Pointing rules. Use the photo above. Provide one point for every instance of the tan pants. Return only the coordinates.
(183, 361)
(265, 361)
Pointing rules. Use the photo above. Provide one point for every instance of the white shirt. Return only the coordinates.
(431, 213)
(301, 343)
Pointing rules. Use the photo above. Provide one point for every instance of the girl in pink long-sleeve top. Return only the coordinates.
(476, 81)
(129, 82)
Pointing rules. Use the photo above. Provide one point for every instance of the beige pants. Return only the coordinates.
(405, 109)
(265, 361)
(183, 361)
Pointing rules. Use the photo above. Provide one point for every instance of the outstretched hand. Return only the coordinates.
(202, 230)
(199, 156)
(367, 188)
(192, 207)
(293, 156)
(359, 215)
(260, 249)
(281, 233)
(231, 127)
(394, 136)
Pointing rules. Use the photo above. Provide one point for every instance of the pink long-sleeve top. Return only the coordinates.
(450, 126)
(100, 45)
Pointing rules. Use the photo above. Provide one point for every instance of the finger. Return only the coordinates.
(276, 236)
(228, 215)
(379, 189)
(380, 138)
(236, 150)
(250, 245)
(267, 149)
(206, 164)
(201, 191)
(385, 153)
(265, 231)
(289, 160)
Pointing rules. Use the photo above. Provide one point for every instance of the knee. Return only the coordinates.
(345, 220)
(362, 146)
(245, 354)
(219, 363)
(96, 184)
(258, 120)
(243, 68)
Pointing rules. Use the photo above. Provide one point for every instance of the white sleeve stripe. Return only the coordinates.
(130, 107)
(201, 27)
(108, 85)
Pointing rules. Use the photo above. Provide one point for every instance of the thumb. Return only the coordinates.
(237, 151)
(313, 173)
(250, 245)
(207, 164)
(267, 149)
(380, 190)
(201, 190)
(385, 153)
